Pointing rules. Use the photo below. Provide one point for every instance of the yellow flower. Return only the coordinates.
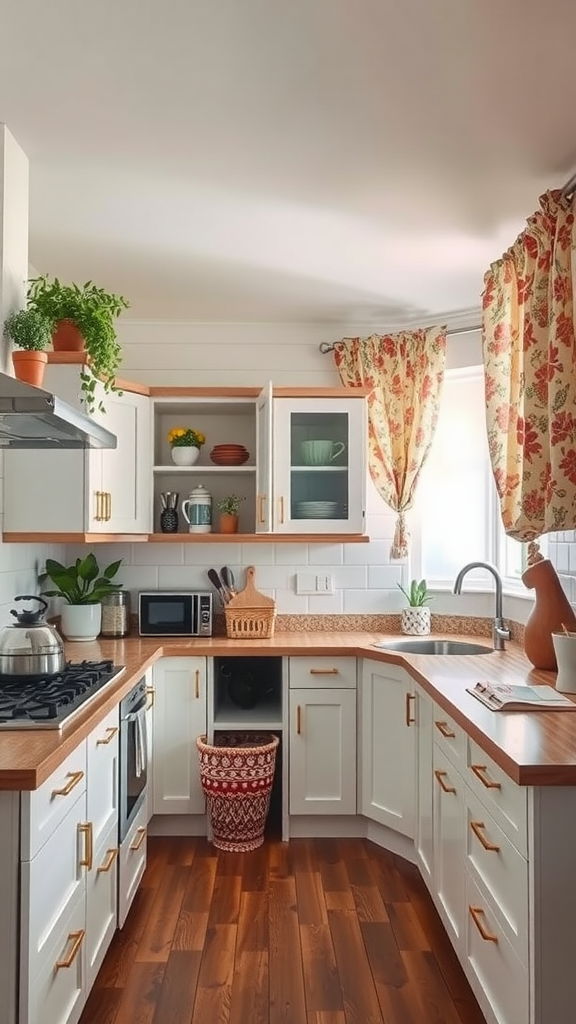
(182, 436)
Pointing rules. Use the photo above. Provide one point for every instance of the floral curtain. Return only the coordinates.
(530, 373)
(406, 373)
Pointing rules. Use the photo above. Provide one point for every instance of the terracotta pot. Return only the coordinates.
(228, 523)
(29, 366)
(551, 611)
(67, 337)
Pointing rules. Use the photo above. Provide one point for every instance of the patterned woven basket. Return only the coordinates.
(237, 773)
(250, 614)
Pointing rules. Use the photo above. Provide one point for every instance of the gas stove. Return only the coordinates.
(48, 703)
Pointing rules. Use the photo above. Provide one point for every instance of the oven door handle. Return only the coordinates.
(133, 715)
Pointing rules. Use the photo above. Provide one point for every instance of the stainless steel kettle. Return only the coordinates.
(31, 648)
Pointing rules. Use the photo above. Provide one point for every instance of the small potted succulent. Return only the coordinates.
(415, 620)
(82, 586)
(228, 508)
(82, 318)
(185, 444)
(31, 332)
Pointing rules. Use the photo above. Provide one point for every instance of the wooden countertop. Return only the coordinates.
(533, 748)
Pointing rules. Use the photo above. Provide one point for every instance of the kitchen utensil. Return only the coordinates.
(31, 648)
(229, 581)
(250, 614)
(169, 514)
(218, 584)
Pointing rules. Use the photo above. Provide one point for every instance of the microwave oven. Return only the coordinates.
(175, 613)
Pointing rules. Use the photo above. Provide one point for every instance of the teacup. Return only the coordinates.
(321, 453)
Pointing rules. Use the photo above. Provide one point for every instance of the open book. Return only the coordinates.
(504, 697)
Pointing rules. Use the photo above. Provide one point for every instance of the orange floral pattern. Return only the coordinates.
(406, 373)
(530, 362)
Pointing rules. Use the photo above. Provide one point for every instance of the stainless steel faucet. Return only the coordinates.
(500, 632)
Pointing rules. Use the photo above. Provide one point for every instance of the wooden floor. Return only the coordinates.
(311, 932)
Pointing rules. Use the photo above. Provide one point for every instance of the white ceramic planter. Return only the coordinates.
(81, 621)
(415, 621)
(185, 455)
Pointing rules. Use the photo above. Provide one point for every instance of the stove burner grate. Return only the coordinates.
(49, 702)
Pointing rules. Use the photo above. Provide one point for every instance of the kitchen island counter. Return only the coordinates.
(533, 748)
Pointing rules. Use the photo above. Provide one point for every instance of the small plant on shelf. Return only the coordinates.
(186, 437)
(418, 594)
(230, 505)
(28, 329)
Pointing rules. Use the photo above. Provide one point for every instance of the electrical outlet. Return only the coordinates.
(324, 584)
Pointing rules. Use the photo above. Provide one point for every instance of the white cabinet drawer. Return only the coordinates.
(450, 738)
(102, 770)
(323, 672)
(44, 808)
(498, 978)
(497, 867)
(56, 993)
(132, 863)
(507, 802)
(101, 903)
(50, 884)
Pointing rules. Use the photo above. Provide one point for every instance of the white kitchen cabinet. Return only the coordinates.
(322, 738)
(424, 790)
(179, 718)
(388, 731)
(69, 846)
(84, 491)
(318, 475)
(449, 810)
(151, 695)
(132, 862)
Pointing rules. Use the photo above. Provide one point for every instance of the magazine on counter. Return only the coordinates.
(505, 697)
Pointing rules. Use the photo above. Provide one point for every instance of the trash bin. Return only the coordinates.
(237, 772)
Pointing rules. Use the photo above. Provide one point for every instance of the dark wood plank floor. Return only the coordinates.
(327, 931)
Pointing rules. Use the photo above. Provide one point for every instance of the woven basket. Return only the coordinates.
(237, 773)
(250, 614)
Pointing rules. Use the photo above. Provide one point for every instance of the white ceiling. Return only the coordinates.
(287, 160)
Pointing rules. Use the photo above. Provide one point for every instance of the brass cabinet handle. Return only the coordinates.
(440, 776)
(281, 500)
(108, 506)
(73, 779)
(141, 836)
(197, 683)
(323, 671)
(108, 862)
(445, 729)
(477, 914)
(479, 770)
(88, 832)
(477, 827)
(98, 514)
(76, 939)
(151, 692)
(298, 720)
(261, 500)
(110, 734)
(409, 717)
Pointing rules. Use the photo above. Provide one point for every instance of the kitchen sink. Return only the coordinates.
(433, 647)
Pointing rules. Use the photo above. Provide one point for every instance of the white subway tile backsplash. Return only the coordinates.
(215, 555)
(384, 577)
(326, 554)
(258, 554)
(158, 554)
(291, 554)
(326, 604)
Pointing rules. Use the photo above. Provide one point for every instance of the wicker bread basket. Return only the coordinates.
(250, 615)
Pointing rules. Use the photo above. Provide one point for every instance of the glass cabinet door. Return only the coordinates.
(320, 470)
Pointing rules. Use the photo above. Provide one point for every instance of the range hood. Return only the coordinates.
(33, 418)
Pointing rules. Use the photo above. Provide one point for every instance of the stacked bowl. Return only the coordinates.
(229, 454)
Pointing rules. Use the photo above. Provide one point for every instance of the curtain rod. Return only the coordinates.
(325, 347)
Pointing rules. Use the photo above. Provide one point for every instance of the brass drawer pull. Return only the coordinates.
(197, 683)
(281, 500)
(479, 770)
(88, 833)
(111, 732)
(409, 717)
(98, 516)
(440, 776)
(110, 858)
(477, 914)
(477, 827)
(324, 672)
(73, 779)
(140, 837)
(445, 729)
(108, 506)
(151, 693)
(261, 500)
(298, 720)
(76, 939)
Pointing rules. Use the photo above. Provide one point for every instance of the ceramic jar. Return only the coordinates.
(197, 510)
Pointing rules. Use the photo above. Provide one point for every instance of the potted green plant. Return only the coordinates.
(82, 586)
(31, 332)
(82, 317)
(415, 620)
(228, 508)
(185, 444)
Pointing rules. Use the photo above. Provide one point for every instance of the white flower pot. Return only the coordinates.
(415, 621)
(81, 621)
(185, 455)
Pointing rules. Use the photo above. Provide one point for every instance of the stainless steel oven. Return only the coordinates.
(133, 756)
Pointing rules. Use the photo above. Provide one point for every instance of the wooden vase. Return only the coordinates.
(67, 337)
(29, 366)
(551, 611)
(228, 523)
